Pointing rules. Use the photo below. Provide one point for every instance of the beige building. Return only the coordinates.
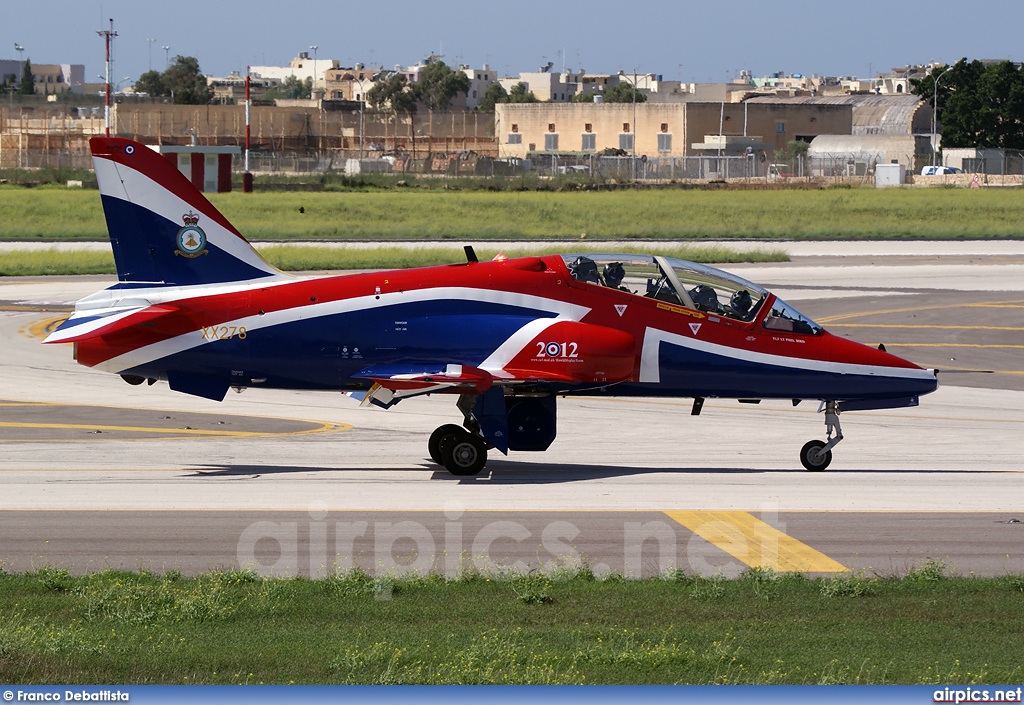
(48, 78)
(660, 129)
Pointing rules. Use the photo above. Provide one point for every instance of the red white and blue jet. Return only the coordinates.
(197, 307)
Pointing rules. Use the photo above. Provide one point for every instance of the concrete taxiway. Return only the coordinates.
(95, 473)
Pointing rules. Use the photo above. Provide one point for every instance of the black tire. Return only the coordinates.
(809, 456)
(434, 444)
(465, 454)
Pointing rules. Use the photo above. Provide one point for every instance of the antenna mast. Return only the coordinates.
(108, 36)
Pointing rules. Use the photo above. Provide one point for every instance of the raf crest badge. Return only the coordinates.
(191, 238)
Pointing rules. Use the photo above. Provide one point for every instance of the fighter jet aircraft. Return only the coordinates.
(197, 307)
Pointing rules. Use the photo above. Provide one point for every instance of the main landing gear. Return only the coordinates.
(460, 450)
(816, 455)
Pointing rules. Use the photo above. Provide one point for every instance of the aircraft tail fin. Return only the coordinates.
(162, 228)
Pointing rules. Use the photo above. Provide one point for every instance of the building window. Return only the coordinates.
(515, 127)
(474, 94)
(589, 142)
(551, 142)
(780, 128)
(664, 142)
(533, 147)
(625, 127)
(515, 138)
(551, 127)
(626, 142)
(588, 127)
(664, 127)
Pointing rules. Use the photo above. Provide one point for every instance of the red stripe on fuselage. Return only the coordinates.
(196, 313)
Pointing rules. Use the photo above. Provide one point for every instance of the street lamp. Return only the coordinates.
(167, 57)
(314, 47)
(935, 111)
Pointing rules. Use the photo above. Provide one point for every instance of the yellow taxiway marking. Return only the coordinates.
(889, 344)
(324, 428)
(912, 309)
(41, 329)
(755, 543)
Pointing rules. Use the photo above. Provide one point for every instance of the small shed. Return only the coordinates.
(207, 167)
(890, 175)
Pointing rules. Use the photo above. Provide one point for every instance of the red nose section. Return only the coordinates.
(577, 352)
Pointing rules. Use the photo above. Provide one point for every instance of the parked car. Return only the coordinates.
(936, 170)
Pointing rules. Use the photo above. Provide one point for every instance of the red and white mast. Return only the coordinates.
(108, 36)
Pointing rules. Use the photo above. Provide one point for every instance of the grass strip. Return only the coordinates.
(412, 214)
(561, 626)
(312, 258)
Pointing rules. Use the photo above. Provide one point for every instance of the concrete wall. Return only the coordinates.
(687, 123)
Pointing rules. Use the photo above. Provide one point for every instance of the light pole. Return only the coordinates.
(21, 52)
(150, 43)
(167, 57)
(314, 47)
(935, 112)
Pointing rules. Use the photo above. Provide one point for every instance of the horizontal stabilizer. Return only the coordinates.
(95, 323)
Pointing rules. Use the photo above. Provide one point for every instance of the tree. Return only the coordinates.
(27, 85)
(182, 80)
(438, 84)
(794, 149)
(392, 92)
(494, 94)
(296, 88)
(624, 93)
(186, 82)
(520, 93)
(9, 83)
(583, 98)
(978, 105)
(151, 83)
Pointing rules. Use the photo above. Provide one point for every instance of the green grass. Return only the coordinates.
(311, 258)
(671, 214)
(562, 627)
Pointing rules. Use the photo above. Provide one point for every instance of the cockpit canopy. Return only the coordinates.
(688, 284)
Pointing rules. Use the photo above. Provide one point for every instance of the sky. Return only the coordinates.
(701, 42)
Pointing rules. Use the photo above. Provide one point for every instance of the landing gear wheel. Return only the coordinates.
(464, 453)
(434, 444)
(811, 460)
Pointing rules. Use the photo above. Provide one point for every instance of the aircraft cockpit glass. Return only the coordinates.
(673, 281)
(784, 317)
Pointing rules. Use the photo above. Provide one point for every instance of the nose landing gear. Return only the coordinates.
(817, 455)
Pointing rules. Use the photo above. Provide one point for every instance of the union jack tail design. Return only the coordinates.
(162, 229)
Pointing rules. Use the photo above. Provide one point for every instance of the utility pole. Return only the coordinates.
(247, 176)
(935, 114)
(167, 57)
(108, 36)
(312, 88)
(150, 42)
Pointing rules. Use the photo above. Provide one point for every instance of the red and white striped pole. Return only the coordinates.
(247, 176)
